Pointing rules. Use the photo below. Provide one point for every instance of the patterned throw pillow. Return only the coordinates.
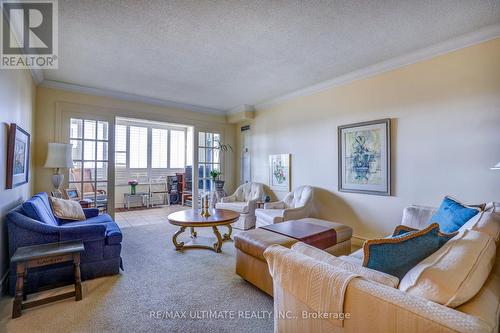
(67, 209)
(399, 254)
(451, 215)
(443, 238)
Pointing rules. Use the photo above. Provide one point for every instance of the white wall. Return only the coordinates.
(17, 96)
(446, 136)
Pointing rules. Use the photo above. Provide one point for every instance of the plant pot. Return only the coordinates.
(132, 189)
(219, 184)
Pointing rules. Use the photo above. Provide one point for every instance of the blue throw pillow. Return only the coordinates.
(399, 254)
(451, 215)
(443, 238)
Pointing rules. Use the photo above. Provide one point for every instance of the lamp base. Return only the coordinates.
(57, 180)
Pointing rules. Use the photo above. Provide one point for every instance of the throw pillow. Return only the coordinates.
(443, 238)
(456, 272)
(67, 209)
(451, 215)
(399, 254)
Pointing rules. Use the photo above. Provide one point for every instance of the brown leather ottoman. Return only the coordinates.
(250, 246)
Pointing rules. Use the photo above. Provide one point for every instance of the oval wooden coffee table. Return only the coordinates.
(192, 219)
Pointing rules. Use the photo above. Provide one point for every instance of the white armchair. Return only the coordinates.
(243, 201)
(296, 205)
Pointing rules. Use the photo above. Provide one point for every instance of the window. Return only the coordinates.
(159, 146)
(177, 149)
(89, 139)
(208, 158)
(138, 147)
(146, 149)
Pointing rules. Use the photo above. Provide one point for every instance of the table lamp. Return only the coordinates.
(496, 167)
(58, 156)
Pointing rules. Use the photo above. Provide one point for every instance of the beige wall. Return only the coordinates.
(48, 100)
(17, 98)
(446, 136)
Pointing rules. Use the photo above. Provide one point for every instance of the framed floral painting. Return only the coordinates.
(365, 157)
(18, 157)
(279, 172)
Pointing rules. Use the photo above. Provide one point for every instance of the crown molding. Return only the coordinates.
(457, 43)
(129, 97)
(37, 75)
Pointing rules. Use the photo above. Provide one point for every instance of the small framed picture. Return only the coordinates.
(71, 194)
(56, 194)
(18, 157)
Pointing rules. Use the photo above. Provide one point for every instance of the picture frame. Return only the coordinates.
(56, 194)
(71, 194)
(279, 172)
(364, 157)
(18, 157)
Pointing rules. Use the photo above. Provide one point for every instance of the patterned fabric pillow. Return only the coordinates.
(399, 254)
(451, 215)
(443, 238)
(67, 209)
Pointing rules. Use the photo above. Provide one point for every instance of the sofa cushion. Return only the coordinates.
(456, 272)
(38, 208)
(239, 207)
(269, 216)
(67, 209)
(397, 255)
(451, 215)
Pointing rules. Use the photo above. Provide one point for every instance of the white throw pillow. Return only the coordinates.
(487, 222)
(456, 272)
(67, 209)
(346, 264)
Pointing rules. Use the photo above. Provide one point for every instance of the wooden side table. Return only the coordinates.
(43, 255)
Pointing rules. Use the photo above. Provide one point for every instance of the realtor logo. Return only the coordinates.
(29, 34)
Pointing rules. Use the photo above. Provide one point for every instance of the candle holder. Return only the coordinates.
(204, 207)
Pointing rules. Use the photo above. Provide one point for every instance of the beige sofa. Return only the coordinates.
(375, 307)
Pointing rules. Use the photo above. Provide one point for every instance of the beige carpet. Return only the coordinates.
(156, 279)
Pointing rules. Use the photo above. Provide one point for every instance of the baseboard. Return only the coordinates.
(3, 283)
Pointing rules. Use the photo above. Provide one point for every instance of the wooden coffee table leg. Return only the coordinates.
(193, 233)
(18, 300)
(178, 246)
(218, 244)
(227, 236)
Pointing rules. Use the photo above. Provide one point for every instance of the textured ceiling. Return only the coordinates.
(222, 54)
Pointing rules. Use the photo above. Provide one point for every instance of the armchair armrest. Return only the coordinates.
(91, 212)
(230, 198)
(89, 232)
(274, 205)
(295, 213)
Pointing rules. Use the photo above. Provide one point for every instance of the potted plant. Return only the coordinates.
(215, 175)
(133, 183)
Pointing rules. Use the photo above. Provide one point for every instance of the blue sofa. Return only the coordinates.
(34, 223)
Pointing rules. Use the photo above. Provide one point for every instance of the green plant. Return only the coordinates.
(215, 174)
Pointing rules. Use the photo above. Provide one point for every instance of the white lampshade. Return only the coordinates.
(496, 167)
(59, 156)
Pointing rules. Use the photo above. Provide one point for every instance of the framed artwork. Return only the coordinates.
(279, 172)
(56, 194)
(18, 157)
(365, 157)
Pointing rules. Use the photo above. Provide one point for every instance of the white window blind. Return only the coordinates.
(138, 147)
(121, 146)
(177, 149)
(159, 148)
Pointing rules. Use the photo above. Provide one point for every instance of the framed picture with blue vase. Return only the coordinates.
(365, 157)
(18, 157)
